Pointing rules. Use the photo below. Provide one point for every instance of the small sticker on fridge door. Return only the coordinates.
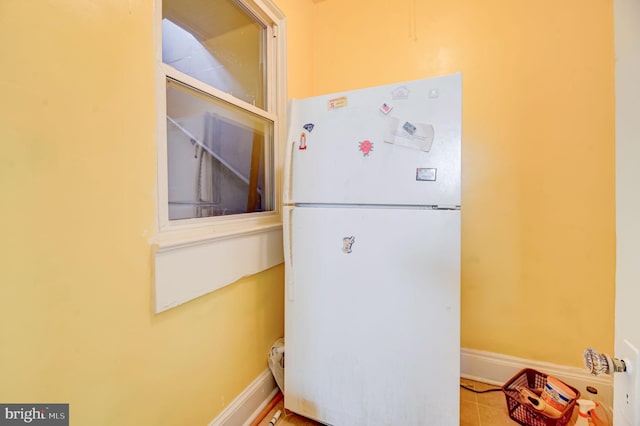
(386, 108)
(308, 127)
(347, 243)
(365, 146)
(426, 174)
(338, 102)
(400, 93)
(411, 134)
(303, 141)
(409, 128)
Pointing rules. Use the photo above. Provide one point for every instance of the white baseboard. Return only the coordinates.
(496, 369)
(248, 405)
(487, 367)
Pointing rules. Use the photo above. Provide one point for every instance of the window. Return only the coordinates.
(220, 84)
(215, 156)
(218, 150)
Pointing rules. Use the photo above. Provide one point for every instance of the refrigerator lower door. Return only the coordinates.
(373, 315)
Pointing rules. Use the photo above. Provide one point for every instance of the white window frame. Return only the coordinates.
(193, 257)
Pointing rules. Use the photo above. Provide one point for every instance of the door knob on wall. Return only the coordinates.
(598, 364)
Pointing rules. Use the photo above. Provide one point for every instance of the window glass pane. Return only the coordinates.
(216, 156)
(217, 42)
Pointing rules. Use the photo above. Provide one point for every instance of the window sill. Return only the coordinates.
(190, 263)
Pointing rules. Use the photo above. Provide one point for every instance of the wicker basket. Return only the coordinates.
(525, 414)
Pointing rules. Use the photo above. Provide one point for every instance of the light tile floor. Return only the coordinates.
(483, 409)
(476, 409)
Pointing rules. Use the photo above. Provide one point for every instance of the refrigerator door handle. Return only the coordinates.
(288, 173)
(287, 237)
(288, 169)
(291, 290)
(287, 233)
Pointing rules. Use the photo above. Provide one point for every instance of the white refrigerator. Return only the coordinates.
(372, 262)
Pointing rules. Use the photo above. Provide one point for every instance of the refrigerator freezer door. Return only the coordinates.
(356, 153)
(373, 315)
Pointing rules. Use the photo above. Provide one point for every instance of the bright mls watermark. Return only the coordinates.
(34, 414)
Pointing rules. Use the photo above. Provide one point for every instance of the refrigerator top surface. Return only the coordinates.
(398, 144)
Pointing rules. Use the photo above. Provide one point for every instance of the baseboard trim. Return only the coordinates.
(496, 369)
(248, 405)
(487, 367)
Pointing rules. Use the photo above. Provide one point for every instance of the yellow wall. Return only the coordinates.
(77, 202)
(299, 46)
(77, 185)
(538, 230)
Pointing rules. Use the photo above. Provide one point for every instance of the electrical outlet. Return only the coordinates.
(627, 401)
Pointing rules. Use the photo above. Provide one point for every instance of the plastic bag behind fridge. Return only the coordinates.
(276, 362)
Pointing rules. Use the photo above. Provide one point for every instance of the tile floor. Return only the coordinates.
(476, 409)
(483, 409)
